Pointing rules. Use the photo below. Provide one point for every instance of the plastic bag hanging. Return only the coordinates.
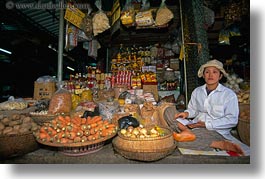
(163, 14)
(128, 14)
(87, 24)
(100, 20)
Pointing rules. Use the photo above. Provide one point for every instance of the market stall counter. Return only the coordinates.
(196, 152)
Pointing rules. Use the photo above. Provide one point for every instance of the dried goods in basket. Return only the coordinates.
(145, 149)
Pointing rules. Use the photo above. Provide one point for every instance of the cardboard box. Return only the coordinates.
(44, 90)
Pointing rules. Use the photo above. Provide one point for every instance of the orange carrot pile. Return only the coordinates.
(64, 129)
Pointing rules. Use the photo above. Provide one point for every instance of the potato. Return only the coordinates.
(27, 120)
(16, 127)
(23, 130)
(2, 126)
(13, 123)
(7, 130)
(6, 121)
(15, 117)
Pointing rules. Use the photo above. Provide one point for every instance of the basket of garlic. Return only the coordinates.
(144, 144)
(233, 82)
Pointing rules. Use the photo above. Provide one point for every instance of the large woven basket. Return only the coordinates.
(17, 145)
(147, 149)
(243, 126)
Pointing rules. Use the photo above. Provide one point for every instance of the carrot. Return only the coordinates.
(94, 119)
(110, 126)
(80, 133)
(88, 119)
(67, 119)
(61, 118)
(96, 136)
(72, 135)
(104, 133)
(105, 122)
(99, 127)
(64, 140)
(90, 138)
(77, 139)
(83, 127)
(83, 120)
(51, 131)
(43, 129)
(92, 131)
(83, 138)
(87, 133)
(60, 135)
(99, 122)
(43, 135)
(76, 121)
(92, 125)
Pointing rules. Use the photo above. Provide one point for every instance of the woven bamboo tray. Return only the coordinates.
(80, 148)
(17, 145)
(146, 149)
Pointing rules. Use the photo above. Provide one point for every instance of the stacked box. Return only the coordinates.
(44, 90)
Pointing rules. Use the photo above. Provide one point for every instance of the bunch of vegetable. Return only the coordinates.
(64, 129)
(233, 82)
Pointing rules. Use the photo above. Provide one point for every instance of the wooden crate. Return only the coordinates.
(44, 90)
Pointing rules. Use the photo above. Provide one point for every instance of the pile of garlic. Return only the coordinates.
(233, 82)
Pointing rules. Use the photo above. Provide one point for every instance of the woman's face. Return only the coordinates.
(212, 75)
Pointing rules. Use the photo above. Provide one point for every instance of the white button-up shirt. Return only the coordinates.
(219, 110)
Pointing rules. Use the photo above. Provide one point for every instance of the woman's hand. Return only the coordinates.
(182, 115)
(199, 124)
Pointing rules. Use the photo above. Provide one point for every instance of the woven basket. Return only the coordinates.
(17, 145)
(146, 149)
(40, 119)
(80, 148)
(243, 126)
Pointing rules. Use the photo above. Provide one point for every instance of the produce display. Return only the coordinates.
(67, 130)
(142, 132)
(13, 105)
(16, 124)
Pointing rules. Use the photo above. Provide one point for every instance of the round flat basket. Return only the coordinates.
(79, 148)
(82, 150)
(17, 145)
(146, 149)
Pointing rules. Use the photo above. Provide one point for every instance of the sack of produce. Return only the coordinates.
(87, 24)
(163, 14)
(128, 14)
(13, 104)
(100, 20)
(144, 18)
(61, 102)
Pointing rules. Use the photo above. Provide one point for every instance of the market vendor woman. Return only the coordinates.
(213, 105)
